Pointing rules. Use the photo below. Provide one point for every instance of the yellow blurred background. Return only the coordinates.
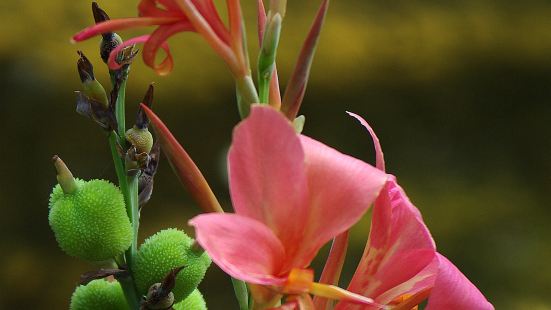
(459, 93)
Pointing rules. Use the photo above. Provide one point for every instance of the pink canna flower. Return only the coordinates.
(400, 267)
(291, 195)
(174, 16)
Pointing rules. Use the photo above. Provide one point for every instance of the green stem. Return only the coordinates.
(127, 284)
(120, 111)
(119, 166)
(129, 188)
(240, 289)
(134, 216)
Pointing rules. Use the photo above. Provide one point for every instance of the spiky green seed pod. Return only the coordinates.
(99, 294)
(141, 139)
(90, 222)
(194, 301)
(164, 251)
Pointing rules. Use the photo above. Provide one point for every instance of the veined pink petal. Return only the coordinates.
(379, 156)
(341, 189)
(243, 247)
(267, 176)
(120, 24)
(158, 39)
(399, 248)
(453, 291)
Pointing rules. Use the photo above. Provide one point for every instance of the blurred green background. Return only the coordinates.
(459, 93)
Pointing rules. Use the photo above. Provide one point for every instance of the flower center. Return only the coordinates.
(299, 281)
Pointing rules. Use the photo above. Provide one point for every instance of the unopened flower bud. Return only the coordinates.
(91, 87)
(141, 139)
(109, 40)
(139, 136)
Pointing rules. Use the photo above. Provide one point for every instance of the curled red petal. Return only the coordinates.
(111, 61)
(120, 24)
(156, 40)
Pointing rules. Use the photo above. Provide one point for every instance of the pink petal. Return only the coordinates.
(452, 290)
(399, 247)
(243, 247)
(120, 24)
(379, 156)
(158, 39)
(267, 177)
(111, 61)
(341, 189)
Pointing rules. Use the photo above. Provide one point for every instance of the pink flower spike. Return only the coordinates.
(453, 291)
(242, 247)
(121, 24)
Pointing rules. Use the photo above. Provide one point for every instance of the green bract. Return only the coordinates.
(99, 294)
(194, 301)
(164, 251)
(90, 223)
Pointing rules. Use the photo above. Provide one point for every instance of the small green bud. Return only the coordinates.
(99, 294)
(194, 301)
(165, 251)
(141, 139)
(91, 87)
(90, 221)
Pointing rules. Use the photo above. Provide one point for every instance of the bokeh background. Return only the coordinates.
(459, 93)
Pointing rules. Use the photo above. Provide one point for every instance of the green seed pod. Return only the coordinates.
(99, 294)
(164, 251)
(88, 217)
(141, 139)
(194, 301)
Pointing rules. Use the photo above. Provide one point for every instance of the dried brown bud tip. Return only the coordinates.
(141, 119)
(100, 16)
(85, 68)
